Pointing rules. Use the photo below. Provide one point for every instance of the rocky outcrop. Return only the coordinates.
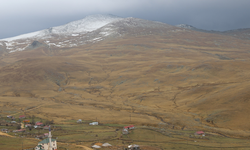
(36, 44)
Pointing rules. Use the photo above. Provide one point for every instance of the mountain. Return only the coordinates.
(129, 71)
(88, 30)
(75, 29)
(237, 33)
(87, 24)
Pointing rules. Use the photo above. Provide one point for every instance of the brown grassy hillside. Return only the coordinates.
(183, 78)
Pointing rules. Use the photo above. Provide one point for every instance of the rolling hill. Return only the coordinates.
(129, 70)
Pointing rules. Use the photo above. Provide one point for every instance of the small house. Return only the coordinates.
(39, 136)
(21, 130)
(134, 147)
(129, 127)
(96, 146)
(125, 131)
(21, 116)
(79, 121)
(28, 125)
(26, 121)
(199, 133)
(93, 123)
(13, 122)
(9, 116)
(4, 130)
(106, 145)
(46, 135)
(39, 124)
(46, 128)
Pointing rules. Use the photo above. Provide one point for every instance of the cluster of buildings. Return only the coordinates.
(13, 118)
(46, 144)
(50, 144)
(199, 133)
(93, 123)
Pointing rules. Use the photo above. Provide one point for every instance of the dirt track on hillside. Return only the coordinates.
(85, 147)
(5, 134)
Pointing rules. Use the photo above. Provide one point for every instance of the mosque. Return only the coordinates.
(47, 144)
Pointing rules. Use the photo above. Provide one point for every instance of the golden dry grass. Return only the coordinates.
(186, 79)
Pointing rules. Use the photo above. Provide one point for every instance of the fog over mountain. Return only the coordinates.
(20, 17)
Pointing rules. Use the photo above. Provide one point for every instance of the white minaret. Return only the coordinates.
(50, 136)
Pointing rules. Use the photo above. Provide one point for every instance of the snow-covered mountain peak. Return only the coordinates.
(68, 35)
(90, 29)
(87, 24)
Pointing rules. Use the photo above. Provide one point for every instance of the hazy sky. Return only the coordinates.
(24, 16)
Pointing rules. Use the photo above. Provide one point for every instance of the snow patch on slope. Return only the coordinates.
(18, 49)
(75, 34)
(37, 34)
(186, 26)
